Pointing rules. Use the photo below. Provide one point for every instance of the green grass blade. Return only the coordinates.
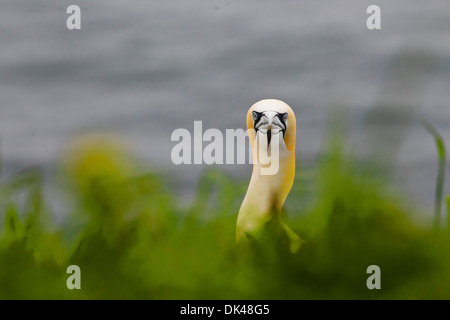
(440, 145)
(448, 211)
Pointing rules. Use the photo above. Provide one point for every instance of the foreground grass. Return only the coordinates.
(132, 241)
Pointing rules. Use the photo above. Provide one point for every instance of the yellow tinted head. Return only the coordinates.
(271, 106)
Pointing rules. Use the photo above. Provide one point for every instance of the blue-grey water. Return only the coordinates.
(144, 68)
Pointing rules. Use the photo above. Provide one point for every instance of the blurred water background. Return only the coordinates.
(142, 69)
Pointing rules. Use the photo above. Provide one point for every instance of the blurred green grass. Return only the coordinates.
(132, 240)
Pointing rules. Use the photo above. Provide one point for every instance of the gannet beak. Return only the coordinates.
(269, 123)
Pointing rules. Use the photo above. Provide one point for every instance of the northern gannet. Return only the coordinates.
(271, 126)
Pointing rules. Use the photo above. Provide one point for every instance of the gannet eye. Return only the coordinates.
(256, 116)
(283, 118)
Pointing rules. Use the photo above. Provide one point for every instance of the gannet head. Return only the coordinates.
(271, 117)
